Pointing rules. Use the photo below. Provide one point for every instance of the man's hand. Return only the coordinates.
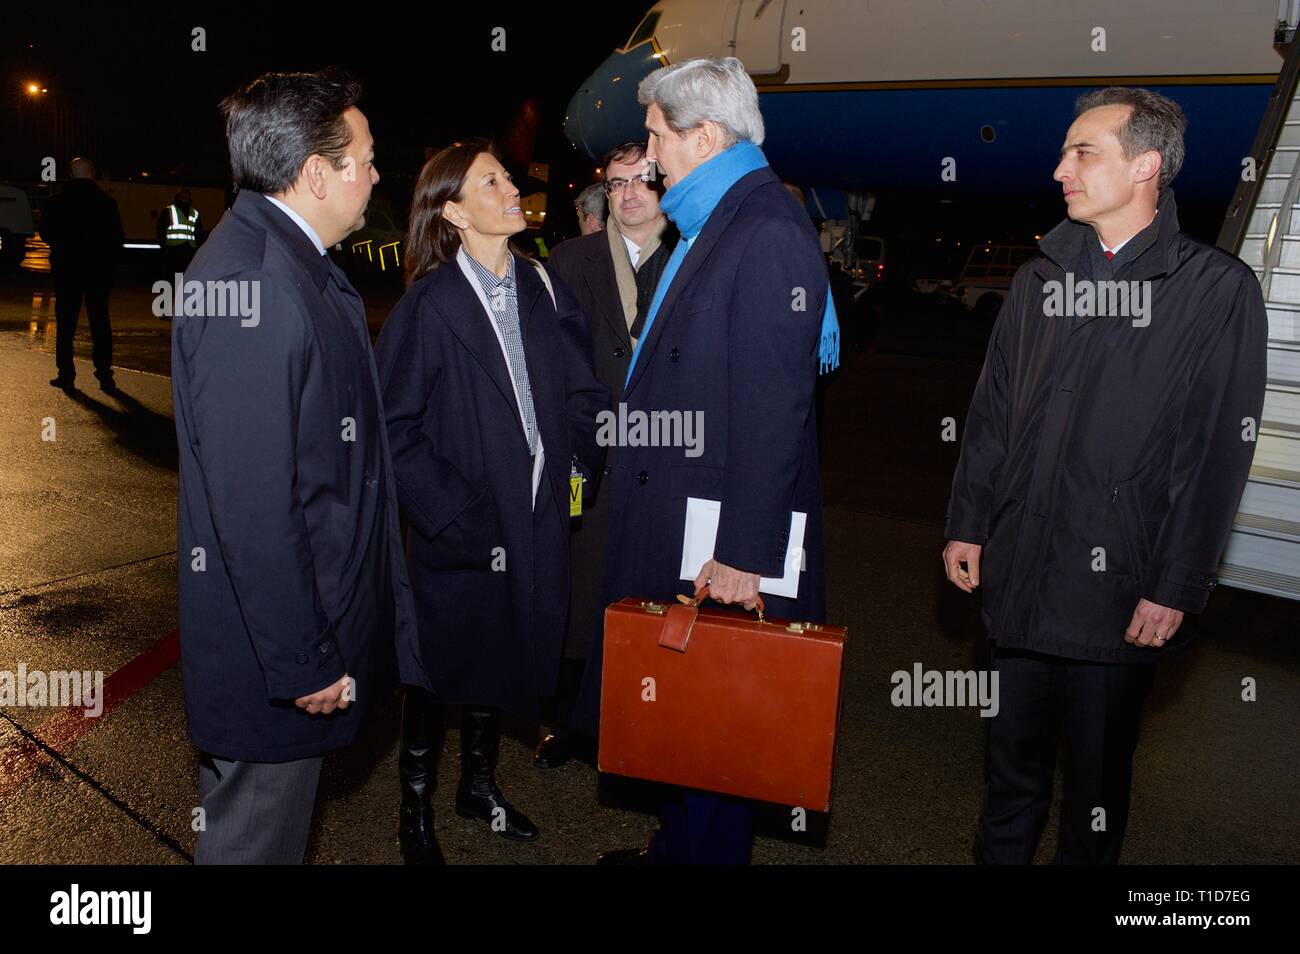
(954, 554)
(728, 585)
(327, 700)
(1153, 624)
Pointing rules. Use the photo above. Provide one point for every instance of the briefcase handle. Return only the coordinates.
(679, 621)
(702, 594)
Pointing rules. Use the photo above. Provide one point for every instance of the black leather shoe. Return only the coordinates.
(552, 752)
(477, 796)
(625, 856)
(417, 767)
(67, 384)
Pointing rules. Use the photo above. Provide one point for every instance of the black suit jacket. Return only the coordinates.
(585, 265)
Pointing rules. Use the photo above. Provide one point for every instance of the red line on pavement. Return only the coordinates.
(19, 761)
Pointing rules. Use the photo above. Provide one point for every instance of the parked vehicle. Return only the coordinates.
(868, 266)
(16, 226)
(986, 277)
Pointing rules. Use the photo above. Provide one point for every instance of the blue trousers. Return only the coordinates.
(701, 828)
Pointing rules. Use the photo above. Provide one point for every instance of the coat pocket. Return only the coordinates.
(1137, 548)
(468, 542)
(998, 553)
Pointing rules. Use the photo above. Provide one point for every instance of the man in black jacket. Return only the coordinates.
(84, 231)
(293, 583)
(613, 273)
(1106, 449)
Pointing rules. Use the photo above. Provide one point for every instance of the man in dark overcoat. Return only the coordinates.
(1104, 455)
(292, 581)
(732, 342)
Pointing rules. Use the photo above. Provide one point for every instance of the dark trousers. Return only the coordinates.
(70, 287)
(255, 813)
(1098, 705)
(177, 259)
(701, 828)
(566, 696)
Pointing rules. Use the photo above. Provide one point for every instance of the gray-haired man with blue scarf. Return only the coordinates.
(738, 327)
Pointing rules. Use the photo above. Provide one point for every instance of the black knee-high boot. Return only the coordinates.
(417, 765)
(478, 795)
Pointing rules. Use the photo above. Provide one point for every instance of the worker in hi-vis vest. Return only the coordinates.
(178, 233)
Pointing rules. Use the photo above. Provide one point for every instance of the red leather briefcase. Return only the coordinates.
(722, 701)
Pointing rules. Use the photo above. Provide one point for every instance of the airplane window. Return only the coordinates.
(645, 30)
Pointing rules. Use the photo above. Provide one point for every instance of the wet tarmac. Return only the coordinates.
(87, 582)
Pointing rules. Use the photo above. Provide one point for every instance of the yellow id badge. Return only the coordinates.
(575, 495)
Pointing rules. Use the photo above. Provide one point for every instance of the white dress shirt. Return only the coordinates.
(633, 250)
(299, 221)
(1115, 250)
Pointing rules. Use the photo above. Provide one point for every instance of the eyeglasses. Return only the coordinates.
(617, 185)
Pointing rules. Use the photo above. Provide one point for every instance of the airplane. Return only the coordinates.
(884, 95)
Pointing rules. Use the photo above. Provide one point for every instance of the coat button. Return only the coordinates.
(642, 477)
(323, 648)
(674, 355)
(300, 658)
(619, 352)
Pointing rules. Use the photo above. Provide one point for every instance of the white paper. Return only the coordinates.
(702, 533)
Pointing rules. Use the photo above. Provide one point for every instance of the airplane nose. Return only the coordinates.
(604, 111)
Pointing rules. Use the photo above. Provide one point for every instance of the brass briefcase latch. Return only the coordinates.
(657, 608)
(803, 627)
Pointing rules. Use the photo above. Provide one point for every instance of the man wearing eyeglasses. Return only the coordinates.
(613, 273)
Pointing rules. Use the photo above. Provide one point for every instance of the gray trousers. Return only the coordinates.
(255, 813)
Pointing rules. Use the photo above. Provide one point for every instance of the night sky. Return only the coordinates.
(126, 88)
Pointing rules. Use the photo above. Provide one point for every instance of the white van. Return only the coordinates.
(16, 226)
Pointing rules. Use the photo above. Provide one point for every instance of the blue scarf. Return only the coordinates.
(689, 203)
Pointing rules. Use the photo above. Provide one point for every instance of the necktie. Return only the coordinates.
(1109, 255)
(508, 322)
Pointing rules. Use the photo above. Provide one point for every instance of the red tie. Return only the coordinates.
(1109, 255)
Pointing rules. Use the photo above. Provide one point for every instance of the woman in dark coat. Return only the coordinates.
(490, 399)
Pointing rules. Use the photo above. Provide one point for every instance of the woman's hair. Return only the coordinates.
(433, 240)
